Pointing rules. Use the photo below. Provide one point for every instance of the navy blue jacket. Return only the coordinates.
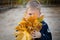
(46, 34)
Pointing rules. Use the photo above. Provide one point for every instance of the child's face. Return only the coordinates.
(32, 12)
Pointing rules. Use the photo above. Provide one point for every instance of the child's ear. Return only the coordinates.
(25, 12)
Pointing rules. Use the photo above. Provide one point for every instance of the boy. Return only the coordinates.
(33, 9)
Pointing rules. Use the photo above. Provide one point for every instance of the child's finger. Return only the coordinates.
(34, 37)
(32, 34)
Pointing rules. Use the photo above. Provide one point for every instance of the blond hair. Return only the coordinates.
(33, 4)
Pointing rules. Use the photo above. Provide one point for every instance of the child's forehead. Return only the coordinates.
(32, 9)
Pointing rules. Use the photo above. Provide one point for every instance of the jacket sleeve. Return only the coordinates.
(45, 32)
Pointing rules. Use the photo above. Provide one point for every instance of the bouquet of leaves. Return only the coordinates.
(25, 27)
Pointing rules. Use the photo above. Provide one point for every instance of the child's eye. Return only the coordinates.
(30, 14)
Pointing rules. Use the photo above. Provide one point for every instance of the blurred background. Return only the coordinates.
(15, 3)
(12, 11)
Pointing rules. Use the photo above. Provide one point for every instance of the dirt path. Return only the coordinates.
(10, 18)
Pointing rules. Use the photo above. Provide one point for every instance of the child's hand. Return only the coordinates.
(36, 34)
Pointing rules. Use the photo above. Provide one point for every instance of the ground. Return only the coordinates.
(10, 18)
